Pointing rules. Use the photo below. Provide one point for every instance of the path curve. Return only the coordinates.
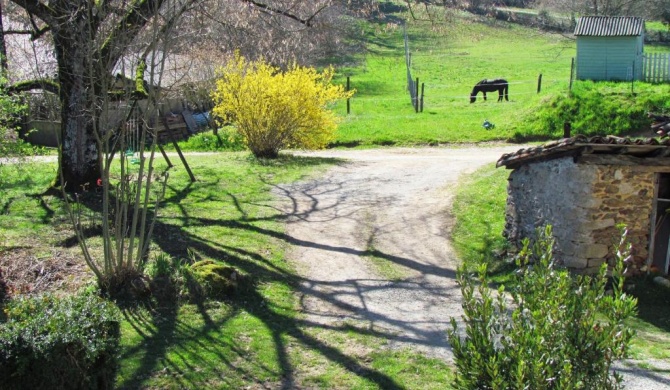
(390, 206)
(383, 205)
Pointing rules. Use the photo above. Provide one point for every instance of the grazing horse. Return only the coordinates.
(484, 86)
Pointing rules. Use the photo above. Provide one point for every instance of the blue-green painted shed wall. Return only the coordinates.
(609, 58)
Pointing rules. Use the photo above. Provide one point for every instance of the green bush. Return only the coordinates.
(562, 331)
(52, 343)
(227, 139)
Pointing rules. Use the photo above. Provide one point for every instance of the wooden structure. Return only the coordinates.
(656, 67)
(173, 127)
(609, 48)
(585, 187)
(176, 124)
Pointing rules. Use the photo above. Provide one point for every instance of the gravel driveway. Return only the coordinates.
(390, 205)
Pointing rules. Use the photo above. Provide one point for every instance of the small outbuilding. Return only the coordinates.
(586, 187)
(609, 48)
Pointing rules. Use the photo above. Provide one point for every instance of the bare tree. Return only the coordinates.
(84, 31)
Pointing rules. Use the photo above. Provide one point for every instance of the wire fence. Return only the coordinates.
(443, 94)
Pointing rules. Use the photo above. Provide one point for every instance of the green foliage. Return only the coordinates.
(601, 108)
(562, 331)
(275, 109)
(226, 139)
(164, 266)
(59, 343)
(3, 292)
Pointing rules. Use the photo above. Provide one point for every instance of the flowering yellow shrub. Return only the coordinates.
(274, 109)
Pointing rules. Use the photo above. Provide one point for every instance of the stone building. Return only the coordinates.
(585, 187)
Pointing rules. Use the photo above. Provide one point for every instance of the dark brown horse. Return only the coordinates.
(484, 86)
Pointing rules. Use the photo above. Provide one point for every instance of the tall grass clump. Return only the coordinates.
(560, 331)
(602, 108)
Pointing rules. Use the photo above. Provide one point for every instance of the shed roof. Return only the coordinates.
(609, 26)
(579, 145)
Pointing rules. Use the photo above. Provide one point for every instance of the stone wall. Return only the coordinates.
(584, 202)
(555, 192)
(626, 196)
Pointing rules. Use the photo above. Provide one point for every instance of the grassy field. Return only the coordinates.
(449, 55)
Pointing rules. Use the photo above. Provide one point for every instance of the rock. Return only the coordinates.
(661, 281)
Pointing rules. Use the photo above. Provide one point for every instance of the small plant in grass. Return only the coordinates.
(275, 109)
(169, 276)
(561, 332)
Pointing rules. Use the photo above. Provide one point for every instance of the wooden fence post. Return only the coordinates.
(567, 129)
(539, 83)
(421, 101)
(572, 71)
(416, 101)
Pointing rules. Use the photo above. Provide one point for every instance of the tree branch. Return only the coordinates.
(138, 15)
(43, 84)
(37, 8)
(307, 22)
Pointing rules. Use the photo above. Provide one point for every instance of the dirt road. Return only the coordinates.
(371, 240)
(383, 206)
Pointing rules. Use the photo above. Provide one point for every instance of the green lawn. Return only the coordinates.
(256, 338)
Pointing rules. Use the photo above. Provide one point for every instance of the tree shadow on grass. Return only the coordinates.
(171, 347)
(164, 332)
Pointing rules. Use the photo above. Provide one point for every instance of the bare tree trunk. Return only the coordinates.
(3, 47)
(79, 157)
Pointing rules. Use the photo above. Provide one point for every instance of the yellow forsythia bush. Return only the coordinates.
(274, 109)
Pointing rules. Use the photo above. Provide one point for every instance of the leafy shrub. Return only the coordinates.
(562, 332)
(52, 343)
(11, 109)
(275, 109)
(226, 139)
